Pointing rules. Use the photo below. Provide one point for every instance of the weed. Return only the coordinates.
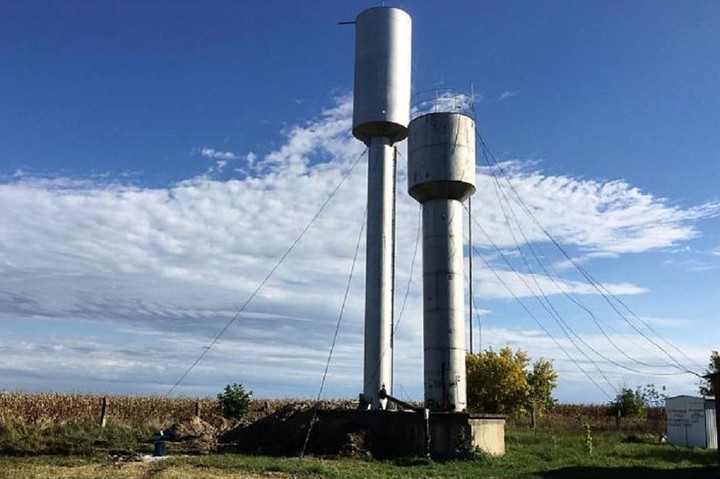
(587, 437)
(466, 450)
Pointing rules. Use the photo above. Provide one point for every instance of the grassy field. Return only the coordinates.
(530, 455)
(58, 436)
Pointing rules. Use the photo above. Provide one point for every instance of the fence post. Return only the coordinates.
(103, 412)
(197, 408)
(617, 419)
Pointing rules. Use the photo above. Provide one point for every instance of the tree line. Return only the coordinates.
(506, 382)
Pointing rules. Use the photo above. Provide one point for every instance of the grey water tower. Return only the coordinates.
(441, 174)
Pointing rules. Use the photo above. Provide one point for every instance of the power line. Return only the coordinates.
(473, 306)
(607, 295)
(412, 269)
(268, 275)
(335, 335)
(552, 310)
(532, 316)
(547, 304)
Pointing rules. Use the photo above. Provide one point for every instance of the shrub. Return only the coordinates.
(629, 403)
(234, 401)
(502, 382)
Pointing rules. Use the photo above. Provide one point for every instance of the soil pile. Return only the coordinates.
(281, 433)
(285, 433)
(195, 435)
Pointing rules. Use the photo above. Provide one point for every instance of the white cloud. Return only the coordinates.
(218, 155)
(664, 322)
(579, 260)
(600, 217)
(251, 158)
(507, 94)
(174, 264)
(508, 284)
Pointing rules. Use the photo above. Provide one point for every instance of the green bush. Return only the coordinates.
(629, 403)
(234, 401)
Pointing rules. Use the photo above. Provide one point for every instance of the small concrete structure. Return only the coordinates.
(488, 433)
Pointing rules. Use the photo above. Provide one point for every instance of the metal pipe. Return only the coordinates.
(393, 269)
(470, 273)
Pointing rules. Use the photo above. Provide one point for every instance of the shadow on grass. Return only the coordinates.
(677, 454)
(630, 473)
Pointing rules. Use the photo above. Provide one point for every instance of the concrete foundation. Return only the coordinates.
(381, 434)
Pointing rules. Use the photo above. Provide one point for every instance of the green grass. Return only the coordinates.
(530, 454)
(18, 438)
(43, 446)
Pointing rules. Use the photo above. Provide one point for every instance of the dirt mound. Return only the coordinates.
(342, 432)
(191, 435)
(271, 427)
(190, 428)
(220, 423)
(280, 433)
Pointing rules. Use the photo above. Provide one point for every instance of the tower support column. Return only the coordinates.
(443, 306)
(379, 287)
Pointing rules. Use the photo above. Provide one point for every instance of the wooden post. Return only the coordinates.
(103, 412)
(533, 418)
(715, 380)
(617, 419)
(197, 408)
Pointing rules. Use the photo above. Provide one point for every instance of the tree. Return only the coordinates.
(500, 382)
(541, 381)
(234, 401)
(629, 403)
(706, 388)
(654, 397)
(634, 403)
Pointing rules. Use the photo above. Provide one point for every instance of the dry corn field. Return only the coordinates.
(79, 408)
(36, 408)
(39, 408)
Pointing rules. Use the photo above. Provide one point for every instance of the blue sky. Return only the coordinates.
(156, 158)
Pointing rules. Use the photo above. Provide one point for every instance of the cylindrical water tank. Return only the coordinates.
(383, 45)
(441, 157)
(441, 173)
